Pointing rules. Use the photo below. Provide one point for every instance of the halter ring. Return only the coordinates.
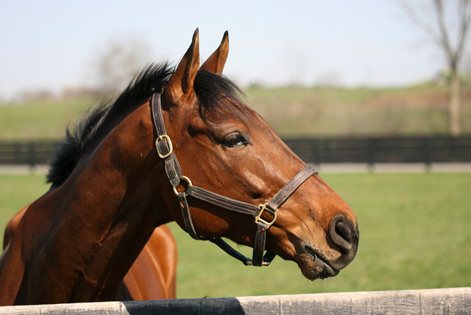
(265, 207)
(187, 180)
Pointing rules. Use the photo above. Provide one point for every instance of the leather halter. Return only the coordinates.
(174, 173)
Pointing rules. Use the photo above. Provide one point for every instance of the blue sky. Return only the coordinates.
(50, 44)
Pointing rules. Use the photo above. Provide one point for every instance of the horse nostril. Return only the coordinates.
(342, 233)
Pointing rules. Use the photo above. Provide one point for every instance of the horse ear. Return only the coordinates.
(215, 63)
(181, 82)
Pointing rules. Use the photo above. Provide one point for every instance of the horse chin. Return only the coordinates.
(314, 266)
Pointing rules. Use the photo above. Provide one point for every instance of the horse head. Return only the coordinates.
(226, 148)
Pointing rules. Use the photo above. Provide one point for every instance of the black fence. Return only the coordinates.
(369, 150)
(27, 152)
(383, 149)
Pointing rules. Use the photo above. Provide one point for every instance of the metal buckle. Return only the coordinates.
(169, 144)
(249, 263)
(264, 207)
(186, 179)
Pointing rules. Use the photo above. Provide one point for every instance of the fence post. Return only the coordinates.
(427, 155)
(371, 158)
(32, 155)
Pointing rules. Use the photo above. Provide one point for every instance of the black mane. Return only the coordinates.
(217, 97)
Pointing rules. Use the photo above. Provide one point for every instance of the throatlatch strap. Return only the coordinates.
(267, 258)
(231, 251)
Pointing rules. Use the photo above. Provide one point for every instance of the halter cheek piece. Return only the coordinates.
(174, 173)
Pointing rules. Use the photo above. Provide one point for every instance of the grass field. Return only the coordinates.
(414, 233)
(41, 119)
(292, 111)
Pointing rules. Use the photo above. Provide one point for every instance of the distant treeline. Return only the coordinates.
(292, 111)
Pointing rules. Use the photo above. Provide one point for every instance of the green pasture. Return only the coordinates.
(291, 111)
(414, 233)
(41, 119)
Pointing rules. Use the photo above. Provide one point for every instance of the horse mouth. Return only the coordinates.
(314, 265)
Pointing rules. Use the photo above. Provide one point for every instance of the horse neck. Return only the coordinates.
(110, 207)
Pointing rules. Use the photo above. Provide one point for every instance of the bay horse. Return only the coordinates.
(178, 146)
(152, 275)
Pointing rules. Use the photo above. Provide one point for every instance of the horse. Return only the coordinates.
(179, 144)
(151, 277)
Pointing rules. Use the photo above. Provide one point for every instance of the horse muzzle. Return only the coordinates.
(342, 237)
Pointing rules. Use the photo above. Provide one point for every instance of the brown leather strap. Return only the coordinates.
(246, 208)
(190, 228)
(290, 187)
(277, 201)
(221, 201)
(259, 244)
(163, 146)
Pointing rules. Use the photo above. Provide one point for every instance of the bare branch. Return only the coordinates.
(465, 9)
(444, 39)
(428, 28)
(440, 31)
(118, 61)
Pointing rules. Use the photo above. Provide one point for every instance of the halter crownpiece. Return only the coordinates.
(175, 175)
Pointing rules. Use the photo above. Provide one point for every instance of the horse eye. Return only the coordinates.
(235, 140)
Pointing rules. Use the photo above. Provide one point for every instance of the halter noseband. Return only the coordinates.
(174, 173)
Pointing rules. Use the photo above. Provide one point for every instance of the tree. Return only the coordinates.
(119, 61)
(449, 31)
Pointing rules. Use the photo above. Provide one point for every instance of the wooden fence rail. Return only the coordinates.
(434, 301)
(369, 150)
